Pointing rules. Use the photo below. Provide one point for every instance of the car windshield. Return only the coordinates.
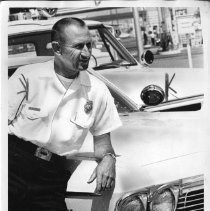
(107, 51)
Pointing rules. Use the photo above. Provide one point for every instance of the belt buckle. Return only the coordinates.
(43, 153)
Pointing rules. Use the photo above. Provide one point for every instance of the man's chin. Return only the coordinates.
(83, 66)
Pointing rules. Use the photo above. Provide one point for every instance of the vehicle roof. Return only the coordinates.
(26, 26)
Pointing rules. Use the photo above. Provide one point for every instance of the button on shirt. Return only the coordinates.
(47, 114)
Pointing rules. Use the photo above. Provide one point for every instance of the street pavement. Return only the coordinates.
(179, 60)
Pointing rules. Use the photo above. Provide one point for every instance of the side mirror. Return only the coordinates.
(152, 95)
(147, 57)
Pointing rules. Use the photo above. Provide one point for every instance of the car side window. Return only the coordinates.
(22, 50)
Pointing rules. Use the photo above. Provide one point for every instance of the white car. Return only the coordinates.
(160, 164)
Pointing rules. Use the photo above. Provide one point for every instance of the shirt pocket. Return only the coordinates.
(82, 120)
(32, 113)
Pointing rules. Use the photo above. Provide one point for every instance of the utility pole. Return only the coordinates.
(138, 32)
(189, 53)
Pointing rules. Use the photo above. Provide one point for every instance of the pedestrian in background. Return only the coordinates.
(145, 38)
(152, 35)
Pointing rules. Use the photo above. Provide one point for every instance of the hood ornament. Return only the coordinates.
(97, 2)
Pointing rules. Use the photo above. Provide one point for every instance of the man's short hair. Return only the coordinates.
(57, 29)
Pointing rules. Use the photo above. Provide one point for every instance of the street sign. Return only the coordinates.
(185, 25)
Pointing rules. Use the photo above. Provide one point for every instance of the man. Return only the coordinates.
(52, 106)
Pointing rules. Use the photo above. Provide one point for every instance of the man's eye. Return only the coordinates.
(89, 45)
(79, 46)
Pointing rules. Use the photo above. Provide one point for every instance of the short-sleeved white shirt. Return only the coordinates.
(47, 114)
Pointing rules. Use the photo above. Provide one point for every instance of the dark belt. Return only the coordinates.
(33, 149)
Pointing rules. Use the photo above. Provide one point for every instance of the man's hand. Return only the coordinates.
(104, 174)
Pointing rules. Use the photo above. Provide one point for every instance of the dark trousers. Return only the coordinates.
(35, 184)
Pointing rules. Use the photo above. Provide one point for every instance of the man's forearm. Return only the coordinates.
(102, 145)
(105, 170)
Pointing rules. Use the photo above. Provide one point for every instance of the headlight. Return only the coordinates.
(162, 198)
(163, 201)
(134, 203)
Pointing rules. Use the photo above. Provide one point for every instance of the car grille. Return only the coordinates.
(192, 200)
(188, 194)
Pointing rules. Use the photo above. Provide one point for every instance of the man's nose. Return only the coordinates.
(86, 52)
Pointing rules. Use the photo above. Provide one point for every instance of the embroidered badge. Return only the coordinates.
(88, 106)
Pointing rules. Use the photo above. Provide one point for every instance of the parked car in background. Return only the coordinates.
(160, 149)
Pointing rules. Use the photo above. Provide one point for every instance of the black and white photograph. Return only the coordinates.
(105, 105)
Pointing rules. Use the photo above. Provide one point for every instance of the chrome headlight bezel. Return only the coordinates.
(174, 189)
(182, 190)
(148, 195)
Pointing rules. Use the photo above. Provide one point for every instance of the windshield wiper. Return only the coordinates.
(114, 64)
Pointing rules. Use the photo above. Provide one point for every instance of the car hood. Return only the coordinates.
(155, 137)
(132, 80)
(148, 145)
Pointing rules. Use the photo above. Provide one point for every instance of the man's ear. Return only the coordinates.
(56, 47)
